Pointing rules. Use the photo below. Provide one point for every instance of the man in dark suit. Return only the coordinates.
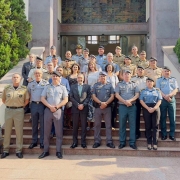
(27, 67)
(79, 96)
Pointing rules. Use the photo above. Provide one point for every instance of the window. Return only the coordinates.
(114, 39)
(92, 40)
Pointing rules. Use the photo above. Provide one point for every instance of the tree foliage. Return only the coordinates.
(177, 49)
(15, 33)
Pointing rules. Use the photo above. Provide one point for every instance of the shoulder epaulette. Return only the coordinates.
(8, 86)
(157, 89)
(32, 81)
(159, 77)
(48, 56)
(133, 76)
(142, 90)
(62, 84)
(23, 86)
(132, 81)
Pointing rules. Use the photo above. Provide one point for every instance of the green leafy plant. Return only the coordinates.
(177, 49)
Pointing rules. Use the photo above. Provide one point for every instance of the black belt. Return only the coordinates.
(14, 107)
(150, 104)
(36, 102)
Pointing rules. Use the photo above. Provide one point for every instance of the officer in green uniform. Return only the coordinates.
(47, 75)
(150, 98)
(134, 56)
(79, 55)
(169, 87)
(118, 58)
(127, 92)
(142, 60)
(15, 97)
(67, 68)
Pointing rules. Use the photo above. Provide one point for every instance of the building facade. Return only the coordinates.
(148, 24)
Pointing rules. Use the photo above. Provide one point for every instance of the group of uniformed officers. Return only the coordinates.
(55, 86)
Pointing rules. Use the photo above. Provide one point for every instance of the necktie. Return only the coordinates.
(80, 89)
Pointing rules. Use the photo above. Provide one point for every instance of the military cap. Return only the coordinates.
(53, 47)
(39, 58)
(78, 46)
(102, 73)
(140, 67)
(57, 73)
(86, 49)
(167, 68)
(127, 71)
(152, 59)
(127, 57)
(149, 79)
(118, 47)
(54, 57)
(102, 47)
(67, 59)
(93, 56)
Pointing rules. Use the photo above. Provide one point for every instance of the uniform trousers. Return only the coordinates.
(106, 113)
(57, 118)
(169, 107)
(16, 117)
(37, 115)
(151, 124)
(127, 113)
(138, 112)
(114, 112)
(75, 119)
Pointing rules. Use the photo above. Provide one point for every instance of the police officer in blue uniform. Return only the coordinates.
(169, 87)
(150, 98)
(102, 95)
(54, 97)
(83, 61)
(127, 92)
(101, 58)
(35, 89)
(79, 55)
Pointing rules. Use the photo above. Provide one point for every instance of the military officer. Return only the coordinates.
(127, 66)
(142, 60)
(150, 98)
(55, 62)
(169, 87)
(83, 61)
(127, 92)
(39, 65)
(67, 68)
(101, 57)
(15, 97)
(118, 58)
(54, 97)
(134, 56)
(49, 58)
(79, 55)
(153, 71)
(140, 81)
(110, 61)
(35, 89)
(50, 68)
(103, 95)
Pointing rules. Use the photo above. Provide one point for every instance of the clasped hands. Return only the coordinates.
(167, 97)
(53, 108)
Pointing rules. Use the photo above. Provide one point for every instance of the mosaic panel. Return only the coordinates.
(103, 11)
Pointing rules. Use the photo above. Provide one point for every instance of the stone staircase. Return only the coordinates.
(165, 148)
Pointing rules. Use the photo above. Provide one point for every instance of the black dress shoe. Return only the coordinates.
(32, 145)
(172, 138)
(19, 155)
(96, 145)
(121, 146)
(59, 155)
(133, 146)
(83, 146)
(4, 154)
(41, 146)
(43, 155)
(111, 145)
(73, 146)
(163, 137)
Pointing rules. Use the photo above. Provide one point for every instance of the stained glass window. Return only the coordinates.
(103, 11)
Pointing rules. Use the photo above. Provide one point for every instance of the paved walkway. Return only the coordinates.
(90, 168)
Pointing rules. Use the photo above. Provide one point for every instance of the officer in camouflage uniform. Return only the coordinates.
(15, 97)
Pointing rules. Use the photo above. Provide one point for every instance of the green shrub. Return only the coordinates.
(177, 49)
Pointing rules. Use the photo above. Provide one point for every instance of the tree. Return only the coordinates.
(15, 33)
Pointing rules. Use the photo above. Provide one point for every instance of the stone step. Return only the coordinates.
(28, 131)
(104, 151)
(142, 124)
(67, 140)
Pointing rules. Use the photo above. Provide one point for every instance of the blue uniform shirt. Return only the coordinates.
(103, 91)
(101, 60)
(116, 66)
(49, 59)
(126, 90)
(150, 95)
(76, 57)
(166, 85)
(83, 62)
(35, 89)
(54, 94)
